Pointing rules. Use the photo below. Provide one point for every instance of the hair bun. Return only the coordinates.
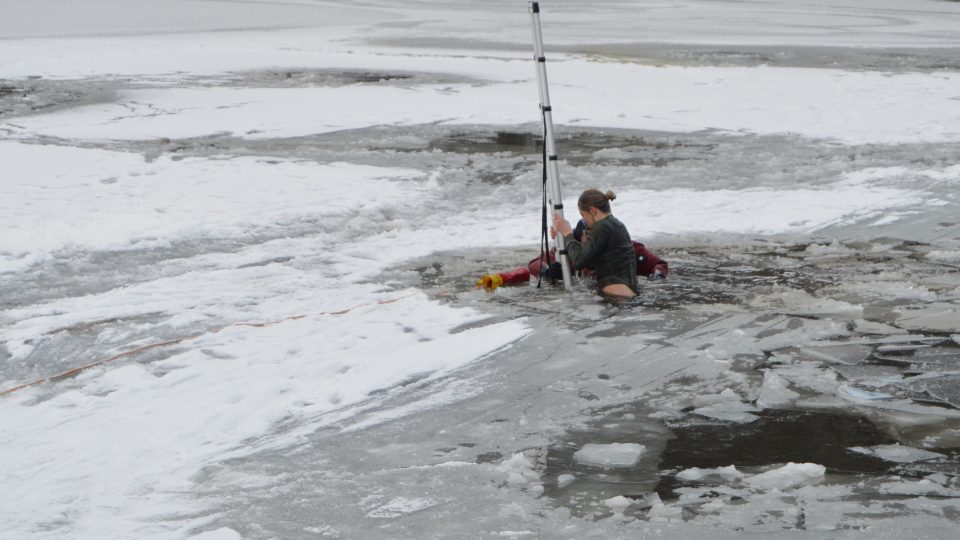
(611, 195)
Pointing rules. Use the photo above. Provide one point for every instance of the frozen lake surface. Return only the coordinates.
(241, 240)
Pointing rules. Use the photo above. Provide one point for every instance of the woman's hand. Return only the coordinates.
(561, 225)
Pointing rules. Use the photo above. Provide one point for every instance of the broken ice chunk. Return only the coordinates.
(933, 385)
(703, 400)
(810, 376)
(877, 328)
(846, 390)
(897, 453)
(399, 506)
(696, 474)
(868, 371)
(839, 354)
(923, 487)
(790, 475)
(565, 480)
(902, 347)
(932, 319)
(774, 391)
(729, 411)
(610, 455)
(937, 358)
(618, 503)
(519, 469)
(659, 511)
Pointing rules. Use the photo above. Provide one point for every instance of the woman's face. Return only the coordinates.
(588, 217)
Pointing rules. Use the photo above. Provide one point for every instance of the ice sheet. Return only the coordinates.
(898, 453)
(278, 274)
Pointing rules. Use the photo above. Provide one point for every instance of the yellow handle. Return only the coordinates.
(490, 281)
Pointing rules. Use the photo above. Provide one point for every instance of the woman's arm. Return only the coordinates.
(585, 254)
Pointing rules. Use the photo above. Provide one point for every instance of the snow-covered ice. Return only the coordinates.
(239, 241)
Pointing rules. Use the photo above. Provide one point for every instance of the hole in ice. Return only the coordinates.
(25, 97)
(489, 457)
(580, 147)
(775, 437)
(786, 447)
(307, 77)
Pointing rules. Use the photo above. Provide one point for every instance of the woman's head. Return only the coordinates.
(594, 204)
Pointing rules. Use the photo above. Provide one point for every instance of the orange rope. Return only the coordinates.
(77, 370)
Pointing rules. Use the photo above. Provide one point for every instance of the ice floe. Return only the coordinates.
(610, 455)
(787, 476)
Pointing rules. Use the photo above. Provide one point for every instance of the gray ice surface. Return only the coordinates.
(740, 316)
(593, 373)
(679, 371)
(652, 374)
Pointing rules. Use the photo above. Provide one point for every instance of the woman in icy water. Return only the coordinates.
(607, 248)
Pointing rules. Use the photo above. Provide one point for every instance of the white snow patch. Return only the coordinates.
(62, 204)
(757, 210)
(765, 100)
(218, 398)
